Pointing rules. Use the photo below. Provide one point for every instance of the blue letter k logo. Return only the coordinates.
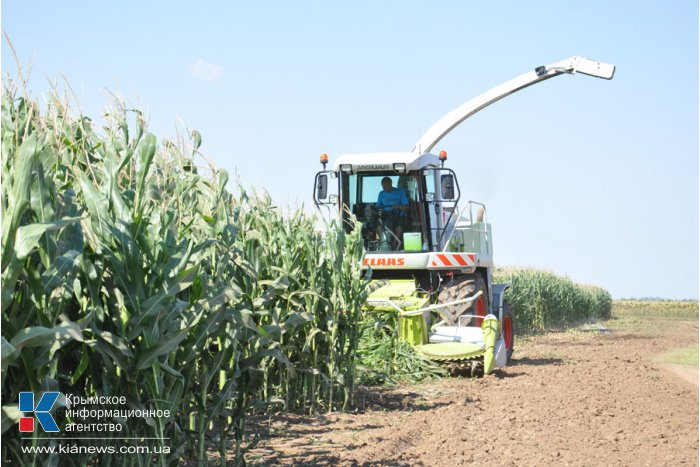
(26, 404)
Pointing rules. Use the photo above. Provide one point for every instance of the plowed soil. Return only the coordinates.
(569, 398)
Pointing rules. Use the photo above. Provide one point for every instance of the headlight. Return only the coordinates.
(400, 168)
(346, 168)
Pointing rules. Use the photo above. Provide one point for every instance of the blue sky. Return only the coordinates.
(594, 179)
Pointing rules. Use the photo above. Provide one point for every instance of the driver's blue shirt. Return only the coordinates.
(392, 198)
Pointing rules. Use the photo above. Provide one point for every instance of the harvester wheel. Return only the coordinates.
(462, 287)
(508, 326)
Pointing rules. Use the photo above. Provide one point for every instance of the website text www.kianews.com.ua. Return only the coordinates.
(71, 448)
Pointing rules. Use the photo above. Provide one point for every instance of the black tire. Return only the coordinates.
(508, 327)
(464, 286)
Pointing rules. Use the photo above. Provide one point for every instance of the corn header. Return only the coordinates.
(431, 252)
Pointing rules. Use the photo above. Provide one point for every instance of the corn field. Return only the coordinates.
(542, 300)
(655, 308)
(130, 270)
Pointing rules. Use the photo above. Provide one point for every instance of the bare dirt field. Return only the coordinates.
(569, 398)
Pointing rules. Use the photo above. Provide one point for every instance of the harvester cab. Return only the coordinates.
(431, 252)
(425, 192)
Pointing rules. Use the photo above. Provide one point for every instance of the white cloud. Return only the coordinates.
(205, 71)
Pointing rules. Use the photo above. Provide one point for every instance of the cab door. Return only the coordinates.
(442, 197)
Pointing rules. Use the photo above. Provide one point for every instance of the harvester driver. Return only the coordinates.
(394, 204)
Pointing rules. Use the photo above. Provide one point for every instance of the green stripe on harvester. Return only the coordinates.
(394, 288)
(402, 292)
(491, 329)
(451, 350)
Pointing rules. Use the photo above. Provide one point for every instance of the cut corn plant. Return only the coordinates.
(387, 359)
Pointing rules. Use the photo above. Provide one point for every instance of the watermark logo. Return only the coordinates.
(41, 411)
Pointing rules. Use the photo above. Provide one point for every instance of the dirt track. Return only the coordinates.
(570, 398)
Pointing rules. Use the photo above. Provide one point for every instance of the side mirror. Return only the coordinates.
(447, 183)
(322, 187)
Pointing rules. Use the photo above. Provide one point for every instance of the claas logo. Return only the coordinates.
(384, 261)
(41, 411)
